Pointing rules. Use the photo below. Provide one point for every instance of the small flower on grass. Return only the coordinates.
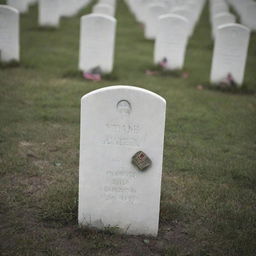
(185, 75)
(93, 77)
(228, 81)
(94, 74)
(200, 87)
(163, 63)
(151, 72)
(146, 241)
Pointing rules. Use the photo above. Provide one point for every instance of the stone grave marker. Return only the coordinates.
(49, 13)
(9, 34)
(171, 40)
(20, 5)
(249, 18)
(121, 151)
(104, 9)
(187, 14)
(97, 42)
(222, 19)
(230, 53)
(68, 8)
(152, 13)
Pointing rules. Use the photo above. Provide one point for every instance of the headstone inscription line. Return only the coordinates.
(121, 151)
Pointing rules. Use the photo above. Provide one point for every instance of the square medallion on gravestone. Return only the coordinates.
(141, 160)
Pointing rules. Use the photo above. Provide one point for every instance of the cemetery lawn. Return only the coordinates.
(209, 174)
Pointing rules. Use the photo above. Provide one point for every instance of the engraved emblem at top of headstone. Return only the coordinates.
(141, 160)
(124, 107)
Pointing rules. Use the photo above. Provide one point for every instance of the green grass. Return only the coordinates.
(208, 189)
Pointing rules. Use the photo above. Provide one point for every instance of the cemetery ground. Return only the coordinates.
(208, 187)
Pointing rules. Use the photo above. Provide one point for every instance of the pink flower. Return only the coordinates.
(93, 77)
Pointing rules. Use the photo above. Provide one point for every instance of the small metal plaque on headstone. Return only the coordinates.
(141, 160)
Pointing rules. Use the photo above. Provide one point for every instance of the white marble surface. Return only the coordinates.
(222, 19)
(187, 14)
(49, 13)
(110, 2)
(152, 13)
(9, 34)
(116, 123)
(21, 5)
(68, 8)
(249, 17)
(230, 53)
(171, 40)
(97, 42)
(103, 9)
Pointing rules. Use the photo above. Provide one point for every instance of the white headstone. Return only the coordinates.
(187, 14)
(230, 53)
(249, 17)
(110, 2)
(171, 40)
(49, 12)
(116, 123)
(218, 8)
(153, 12)
(103, 9)
(68, 8)
(97, 42)
(222, 19)
(9, 34)
(20, 5)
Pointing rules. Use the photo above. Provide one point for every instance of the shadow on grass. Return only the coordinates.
(15, 64)
(11, 64)
(74, 74)
(43, 29)
(158, 70)
(243, 90)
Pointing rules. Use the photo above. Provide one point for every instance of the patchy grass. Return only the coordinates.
(208, 189)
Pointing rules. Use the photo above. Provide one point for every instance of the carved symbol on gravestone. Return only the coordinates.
(124, 107)
(141, 160)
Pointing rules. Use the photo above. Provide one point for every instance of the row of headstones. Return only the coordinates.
(50, 12)
(107, 7)
(170, 23)
(247, 12)
(149, 11)
(21, 5)
(231, 42)
(97, 38)
(110, 190)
